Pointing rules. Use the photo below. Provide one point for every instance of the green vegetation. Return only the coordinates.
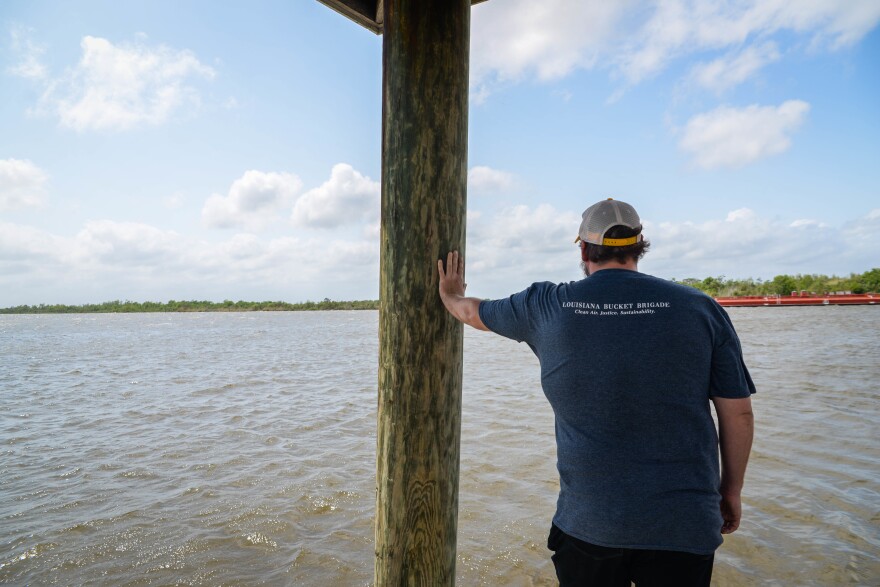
(868, 281)
(191, 306)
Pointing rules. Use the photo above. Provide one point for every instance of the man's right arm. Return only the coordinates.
(736, 424)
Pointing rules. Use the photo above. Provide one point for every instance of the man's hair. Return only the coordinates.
(602, 254)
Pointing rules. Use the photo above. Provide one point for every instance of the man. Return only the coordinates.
(629, 364)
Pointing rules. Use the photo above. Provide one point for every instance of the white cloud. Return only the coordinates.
(32, 259)
(681, 27)
(26, 53)
(840, 24)
(745, 214)
(733, 137)
(120, 87)
(520, 244)
(254, 201)
(174, 201)
(746, 244)
(107, 242)
(485, 179)
(346, 198)
(539, 229)
(22, 184)
(564, 95)
(20, 244)
(807, 223)
(731, 70)
(514, 39)
(864, 234)
(520, 39)
(126, 260)
(139, 249)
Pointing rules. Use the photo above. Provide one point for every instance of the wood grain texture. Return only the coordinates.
(424, 178)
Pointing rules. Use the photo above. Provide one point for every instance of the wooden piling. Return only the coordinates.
(424, 177)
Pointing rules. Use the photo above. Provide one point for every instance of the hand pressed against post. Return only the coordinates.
(452, 279)
(452, 287)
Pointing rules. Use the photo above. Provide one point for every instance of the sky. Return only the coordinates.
(231, 150)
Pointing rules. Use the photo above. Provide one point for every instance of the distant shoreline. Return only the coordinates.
(857, 283)
(128, 307)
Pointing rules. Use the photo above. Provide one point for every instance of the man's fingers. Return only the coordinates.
(454, 265)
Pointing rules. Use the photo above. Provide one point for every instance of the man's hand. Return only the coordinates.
(452, 280)
(731, 513)
(452, 288)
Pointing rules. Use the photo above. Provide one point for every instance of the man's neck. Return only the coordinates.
(629, 266)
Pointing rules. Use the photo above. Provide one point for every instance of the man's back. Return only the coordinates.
(626, 363)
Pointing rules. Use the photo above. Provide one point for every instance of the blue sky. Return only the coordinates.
(225, 150)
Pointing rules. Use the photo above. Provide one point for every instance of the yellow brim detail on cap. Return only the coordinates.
(616, 242)
(620, 242)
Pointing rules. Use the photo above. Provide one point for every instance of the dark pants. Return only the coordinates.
(581, 564)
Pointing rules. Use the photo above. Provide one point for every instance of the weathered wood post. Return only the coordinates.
(424, 177)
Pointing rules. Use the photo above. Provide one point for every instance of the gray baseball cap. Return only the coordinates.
(601, 216)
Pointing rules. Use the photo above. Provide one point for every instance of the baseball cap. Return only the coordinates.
(601, 216)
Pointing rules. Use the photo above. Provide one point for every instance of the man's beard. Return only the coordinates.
(585, 268)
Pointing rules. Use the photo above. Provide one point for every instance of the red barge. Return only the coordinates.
(802, 298)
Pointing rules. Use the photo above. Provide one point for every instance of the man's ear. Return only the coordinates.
(584, 257)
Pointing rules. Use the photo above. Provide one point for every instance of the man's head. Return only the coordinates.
(611, 232)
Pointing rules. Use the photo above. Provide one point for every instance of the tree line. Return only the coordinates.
(869, 281)
(128, 306)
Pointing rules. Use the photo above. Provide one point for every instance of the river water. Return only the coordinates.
(239, 449)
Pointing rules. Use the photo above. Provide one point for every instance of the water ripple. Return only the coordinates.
(207, 449)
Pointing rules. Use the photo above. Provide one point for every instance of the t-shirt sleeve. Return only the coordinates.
(509, 317)
(730, 377)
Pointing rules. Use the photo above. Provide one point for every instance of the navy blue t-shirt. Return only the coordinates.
(629, 363)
